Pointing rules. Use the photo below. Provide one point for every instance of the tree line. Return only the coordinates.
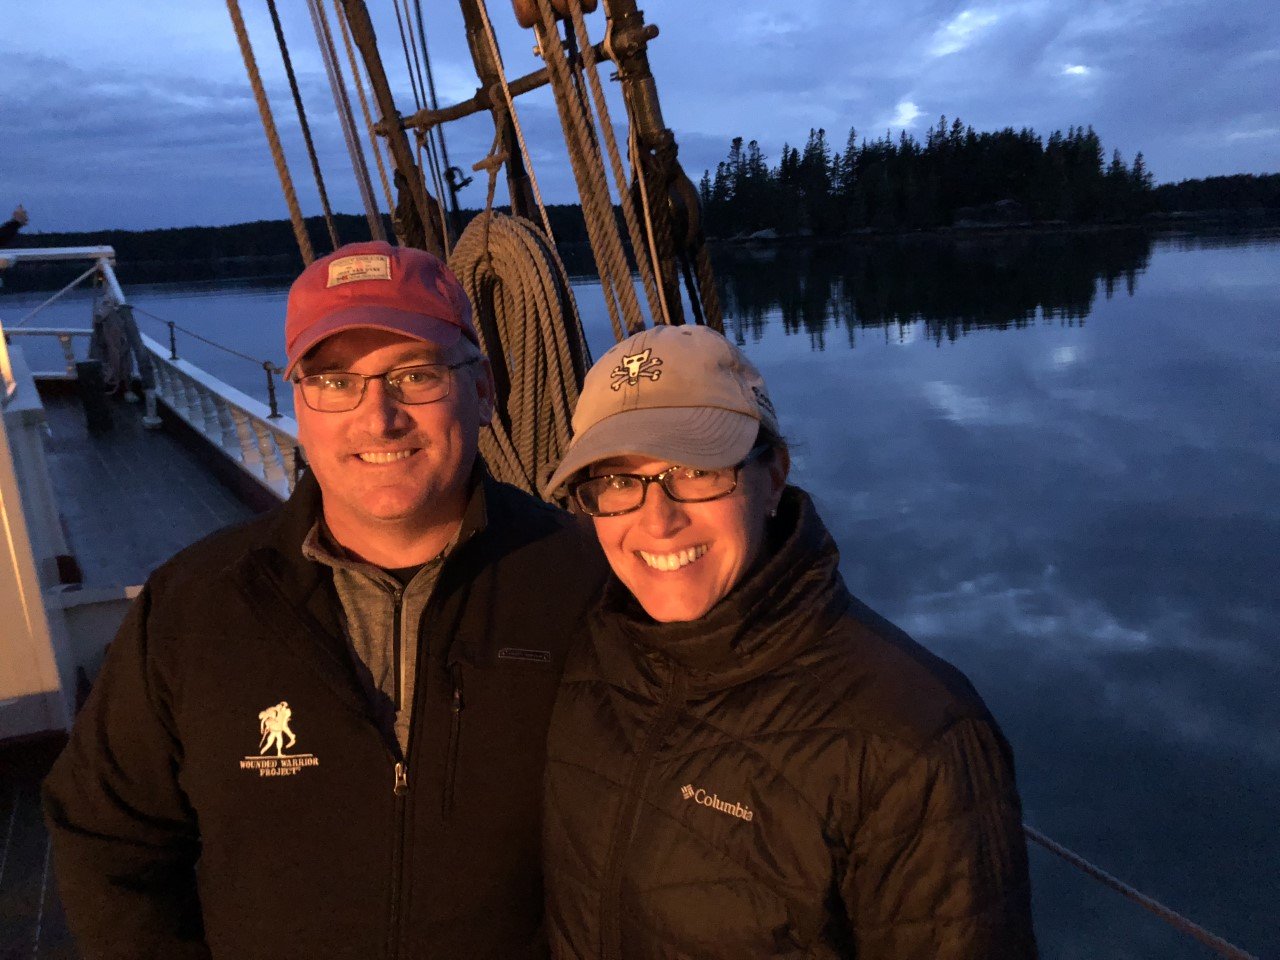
(956, 175)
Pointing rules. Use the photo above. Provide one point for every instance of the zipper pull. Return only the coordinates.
(457, 690)
(402, 780)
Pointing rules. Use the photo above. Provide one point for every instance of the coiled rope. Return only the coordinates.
(529, 326)
(269, 127)
(1171, 917)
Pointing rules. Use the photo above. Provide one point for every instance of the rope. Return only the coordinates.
(302, 122)
(213, 343)
(413, 65)
(588, 170)
(492, 39)
(346, 118)
(523, 299)
(434, 100)
(1174, 919)
(650, 239)
(657, 302)
(269, 127)
(358, 78)
(78, 280)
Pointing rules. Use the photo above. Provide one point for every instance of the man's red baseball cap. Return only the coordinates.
(375, 285)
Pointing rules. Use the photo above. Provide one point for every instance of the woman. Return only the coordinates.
(745, 761)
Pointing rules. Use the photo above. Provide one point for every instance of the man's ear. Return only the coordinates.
(486, 392)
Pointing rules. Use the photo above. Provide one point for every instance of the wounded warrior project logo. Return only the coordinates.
(275, 737)
(700, 796)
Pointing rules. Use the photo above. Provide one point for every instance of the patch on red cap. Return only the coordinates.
(368, 266)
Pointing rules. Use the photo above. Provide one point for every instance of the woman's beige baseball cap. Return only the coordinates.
(683, 394)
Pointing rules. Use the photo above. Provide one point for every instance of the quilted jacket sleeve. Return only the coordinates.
(938, 863)
(124, 838)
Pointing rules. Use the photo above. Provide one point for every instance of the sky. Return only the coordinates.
(139, 115)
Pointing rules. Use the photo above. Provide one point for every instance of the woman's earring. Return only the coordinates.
(773, 513)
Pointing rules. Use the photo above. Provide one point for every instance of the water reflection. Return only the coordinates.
(953, 285)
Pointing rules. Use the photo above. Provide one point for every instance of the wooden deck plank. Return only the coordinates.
(131, 497)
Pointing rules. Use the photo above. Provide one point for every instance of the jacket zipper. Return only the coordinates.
(400, 784)
(455, 735)
(629, 818)
(399, 789)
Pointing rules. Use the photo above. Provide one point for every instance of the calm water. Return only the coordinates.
(1056, 462)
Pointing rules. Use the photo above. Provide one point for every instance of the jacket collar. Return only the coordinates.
(783, 604)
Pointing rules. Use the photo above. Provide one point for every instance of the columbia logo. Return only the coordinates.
(701, 797)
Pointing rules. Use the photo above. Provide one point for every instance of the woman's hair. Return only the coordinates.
(776, 442)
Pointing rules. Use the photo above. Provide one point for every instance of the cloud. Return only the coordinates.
(1192, 91)
(907, 114)
(1266, 133)
(957, 34)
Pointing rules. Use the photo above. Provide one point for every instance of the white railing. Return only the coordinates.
(66, 337)
(235, 424)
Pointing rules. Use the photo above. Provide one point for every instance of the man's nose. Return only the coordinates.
(381, 411)
(660, 516)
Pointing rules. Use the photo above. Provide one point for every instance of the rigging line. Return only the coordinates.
(588, 168)
(269, 127)
(431, 88)
(1171, 917)
(433, 164)
(346, 119)
(650, 240)
(408, 64)
(657, 301)
(357, 76)
(437, 178)
(213, 343)
(302, 122)
(492, 40)
(76, 282)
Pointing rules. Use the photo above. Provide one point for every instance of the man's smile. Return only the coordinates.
(386, 456)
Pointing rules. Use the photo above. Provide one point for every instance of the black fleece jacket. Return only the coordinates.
(183, 829)
(789, 776)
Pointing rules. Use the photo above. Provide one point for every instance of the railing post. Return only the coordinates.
(173, 340)
(68, 353)
(268, 366)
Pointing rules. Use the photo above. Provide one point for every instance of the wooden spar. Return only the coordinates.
(418, 222)
(523, 203)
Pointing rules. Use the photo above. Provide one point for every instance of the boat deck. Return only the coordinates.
(130, 498)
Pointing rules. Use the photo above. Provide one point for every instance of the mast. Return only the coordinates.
(417, 215)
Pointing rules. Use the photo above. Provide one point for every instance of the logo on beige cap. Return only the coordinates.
(635, 366)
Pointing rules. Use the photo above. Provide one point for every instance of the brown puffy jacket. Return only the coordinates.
(790, 776)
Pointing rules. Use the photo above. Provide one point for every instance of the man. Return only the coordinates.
(403, 615)
(9, 229)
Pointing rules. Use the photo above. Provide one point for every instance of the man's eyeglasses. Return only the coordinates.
(615, 494)
(337, 391)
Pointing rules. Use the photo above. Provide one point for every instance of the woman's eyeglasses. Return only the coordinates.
(338, 391)
(615, 494)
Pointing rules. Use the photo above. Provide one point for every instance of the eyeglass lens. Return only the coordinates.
(339, 390)
(624, 492)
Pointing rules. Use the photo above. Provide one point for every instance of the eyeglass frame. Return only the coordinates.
(393, 391)
(661, 480)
